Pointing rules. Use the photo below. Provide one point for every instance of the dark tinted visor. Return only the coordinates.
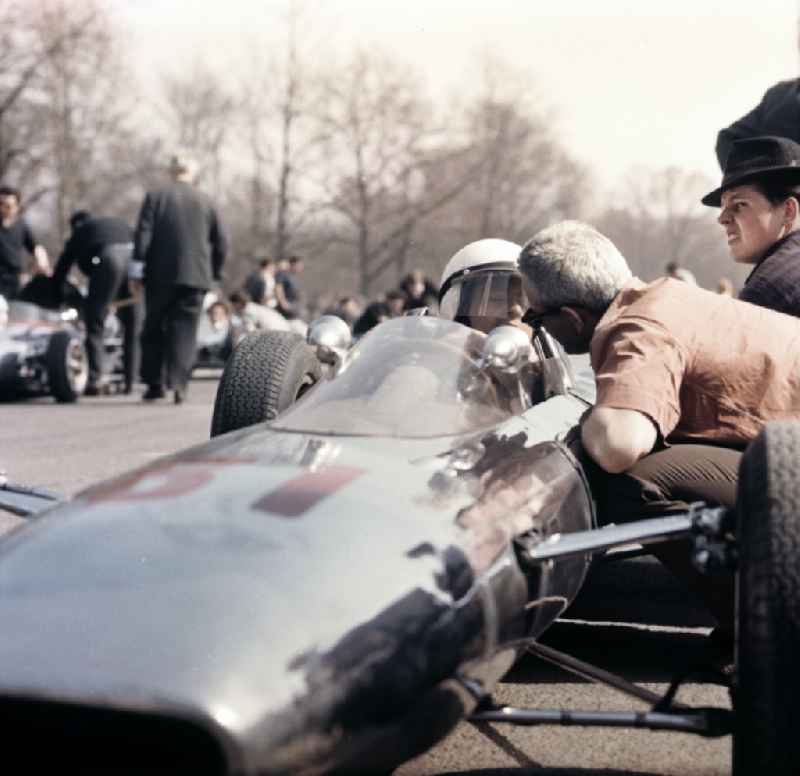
(484, 300)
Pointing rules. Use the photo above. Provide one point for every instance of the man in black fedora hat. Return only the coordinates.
(759, 199)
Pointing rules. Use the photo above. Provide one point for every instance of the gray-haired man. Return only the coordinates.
(685, 379)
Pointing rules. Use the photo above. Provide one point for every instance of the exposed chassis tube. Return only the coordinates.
(698, 521)
(24, 501)
(664, 714)
(659, 529)
(706, 526)
(708, 722)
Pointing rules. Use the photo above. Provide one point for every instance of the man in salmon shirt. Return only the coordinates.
(685, 379)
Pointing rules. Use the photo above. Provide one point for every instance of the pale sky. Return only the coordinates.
(632, 83)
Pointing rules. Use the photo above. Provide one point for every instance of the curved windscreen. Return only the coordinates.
(409, 377)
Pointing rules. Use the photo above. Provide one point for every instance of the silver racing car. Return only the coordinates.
(346, 570)
(41, 352)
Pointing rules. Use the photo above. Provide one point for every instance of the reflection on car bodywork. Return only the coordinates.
(296, 496)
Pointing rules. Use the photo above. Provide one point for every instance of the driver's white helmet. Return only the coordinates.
(481, 286)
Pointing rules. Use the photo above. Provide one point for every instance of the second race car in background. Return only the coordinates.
(42, 346)
(41, 353)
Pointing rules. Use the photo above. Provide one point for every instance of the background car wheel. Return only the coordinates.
(766, 692)
(268, 371)
(67, 366)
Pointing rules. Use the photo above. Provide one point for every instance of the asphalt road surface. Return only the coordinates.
(630, 617)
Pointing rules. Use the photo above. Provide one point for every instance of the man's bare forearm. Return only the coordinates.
(617, 438)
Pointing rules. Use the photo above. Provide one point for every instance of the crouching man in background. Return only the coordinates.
(102, 249)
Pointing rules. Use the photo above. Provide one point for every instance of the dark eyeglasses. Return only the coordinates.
(535, 318)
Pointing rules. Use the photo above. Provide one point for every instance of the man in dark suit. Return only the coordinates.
(179, 250)
(102, 249)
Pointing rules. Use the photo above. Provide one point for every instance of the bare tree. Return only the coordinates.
(514, 174)
(282, 135)
(200, 110)
(291, 109)
(383, 146)
(527, 178)
(657, 218)
(30, 43)
(86, 116)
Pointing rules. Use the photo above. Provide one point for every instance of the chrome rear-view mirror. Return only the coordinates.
(331, 338)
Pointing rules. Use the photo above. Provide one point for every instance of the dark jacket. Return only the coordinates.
(97, 238)
(180, 238)
(778, 113)
(775, 281)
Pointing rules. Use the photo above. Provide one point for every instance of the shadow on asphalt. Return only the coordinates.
(525, 765)
(635, 654)
(608, 623)
(638, 590)
(535, 771)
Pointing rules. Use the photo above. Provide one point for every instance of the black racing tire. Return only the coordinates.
(766, 691)
(67, 366)
(266, 373)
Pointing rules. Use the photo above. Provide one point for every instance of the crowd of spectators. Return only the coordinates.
(272, 296)
(415, 290)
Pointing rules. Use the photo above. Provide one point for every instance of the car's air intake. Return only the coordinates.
(47, 737)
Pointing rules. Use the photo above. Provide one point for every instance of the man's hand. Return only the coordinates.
(515, 319)
(41, 261)
(617, 438)
(135, 287)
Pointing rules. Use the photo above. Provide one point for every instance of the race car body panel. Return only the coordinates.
(298, 602)
(42, 352)
(22, 352)
(9, 361)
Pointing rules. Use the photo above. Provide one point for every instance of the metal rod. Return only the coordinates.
(595, 674)
(25, 502)
(711, 722)
(613, 556)
(659, 529)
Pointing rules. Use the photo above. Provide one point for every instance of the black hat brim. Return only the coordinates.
(788, 172)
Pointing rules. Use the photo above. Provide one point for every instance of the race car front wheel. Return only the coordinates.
(766, 691)
(67, 366)
(267, 372)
